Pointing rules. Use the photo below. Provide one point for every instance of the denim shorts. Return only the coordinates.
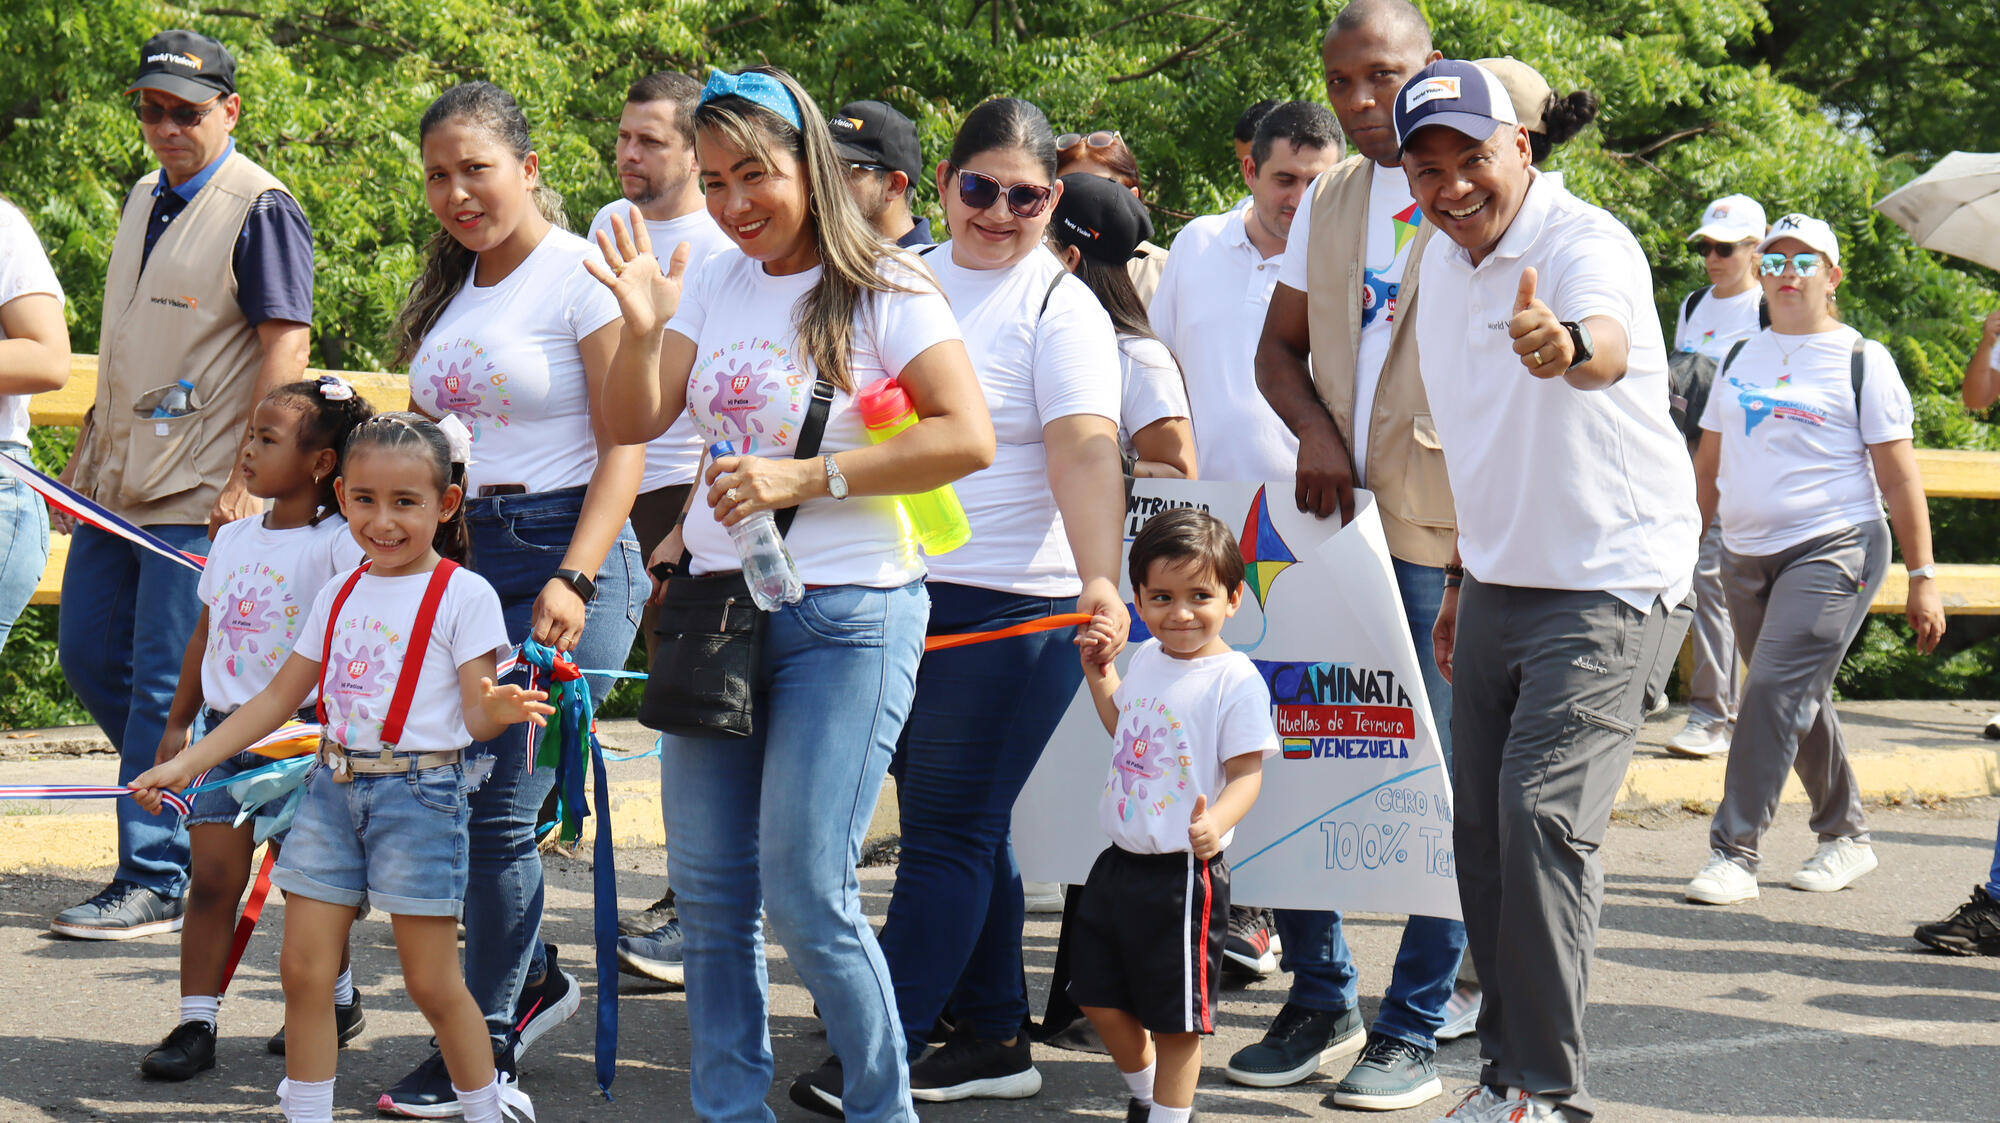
(396, 840)
(218, 806)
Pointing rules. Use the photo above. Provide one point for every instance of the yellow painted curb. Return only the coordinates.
(1958, 773)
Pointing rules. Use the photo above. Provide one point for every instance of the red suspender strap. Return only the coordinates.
(332, 618)
(413, 656)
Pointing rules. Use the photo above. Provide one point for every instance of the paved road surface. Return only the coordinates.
(1793, 1007)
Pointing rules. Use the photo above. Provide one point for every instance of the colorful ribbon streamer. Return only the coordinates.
(82, 791)
(64, 498)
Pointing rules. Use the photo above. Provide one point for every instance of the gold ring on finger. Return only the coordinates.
(1536, 357)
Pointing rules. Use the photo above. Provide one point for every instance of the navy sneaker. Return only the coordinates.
(1391, 1075)
(545, 1003)
(1298, 1042)
(967, 1067)
(819, 1090)
(122, 910)
(426, 1093)
(655, 955)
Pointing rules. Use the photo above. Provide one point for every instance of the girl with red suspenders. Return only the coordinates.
(407, 647)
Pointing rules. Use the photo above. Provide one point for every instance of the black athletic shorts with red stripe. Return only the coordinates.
(1147, 938)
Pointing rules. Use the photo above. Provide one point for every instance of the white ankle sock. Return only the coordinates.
(1164, 1114)
(343, 989)
(1140, 1084)
(306, 1101)
(200, 1008)
(495, 1103)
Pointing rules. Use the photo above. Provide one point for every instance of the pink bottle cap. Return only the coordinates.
(881, 402)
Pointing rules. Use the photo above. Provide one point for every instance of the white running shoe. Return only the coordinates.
(1700, 740)
(1835, 866)
(1521, 1107)
(1042, 896)
(1461, 1013)
(1478, 1104)
(1722, 882)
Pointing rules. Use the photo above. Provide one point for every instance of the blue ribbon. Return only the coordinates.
(754, 86)
(572, 697)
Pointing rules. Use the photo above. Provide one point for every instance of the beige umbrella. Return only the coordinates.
(1954, 208)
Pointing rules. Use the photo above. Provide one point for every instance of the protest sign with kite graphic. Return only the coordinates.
(1355, 811)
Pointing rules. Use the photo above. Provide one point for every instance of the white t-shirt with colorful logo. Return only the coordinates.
(505, 359)
(1178, 721)
(671, 457)
(1393, 221)
(1795, 461)
(24, 269)
(1719, 321)
(258, 586)
(370, 640)
(751, 385)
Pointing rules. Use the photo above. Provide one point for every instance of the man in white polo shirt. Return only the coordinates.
(1577, 527)
(1210, 305)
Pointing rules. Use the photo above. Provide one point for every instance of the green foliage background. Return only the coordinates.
(1815, 105)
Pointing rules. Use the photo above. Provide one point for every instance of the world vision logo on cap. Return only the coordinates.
(1081, 229)
(189, 61)
(853, 122)
(1431, 89)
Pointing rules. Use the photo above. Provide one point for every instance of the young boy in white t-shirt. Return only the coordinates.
(1192, 725)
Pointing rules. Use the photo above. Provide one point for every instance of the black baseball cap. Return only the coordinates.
(873, 132)
(1100, 217)
(187, 65)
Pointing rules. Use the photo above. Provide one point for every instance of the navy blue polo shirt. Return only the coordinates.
(918, 237)
(273, 255)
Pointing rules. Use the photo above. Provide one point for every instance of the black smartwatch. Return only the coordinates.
(575, 579)
(1579, 339)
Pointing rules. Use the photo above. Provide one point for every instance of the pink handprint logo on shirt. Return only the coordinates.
(742, 392)
(1137, 764)
(360, 677)
(460, 376)
(454, 388)
(248, 620)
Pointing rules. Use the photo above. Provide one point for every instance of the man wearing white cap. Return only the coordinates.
(1711, 319)
(1576, 528)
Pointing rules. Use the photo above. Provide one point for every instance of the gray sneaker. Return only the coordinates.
(1391, 1075)
(649, 919)
(1298, 1042)
(122, 910)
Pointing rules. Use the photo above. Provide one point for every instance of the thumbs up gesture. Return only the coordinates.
(1203, 838)
(1542, 342)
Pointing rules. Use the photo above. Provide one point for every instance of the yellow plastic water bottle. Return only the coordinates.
(935, 517)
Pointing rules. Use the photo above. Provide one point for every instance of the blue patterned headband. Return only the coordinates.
(757, 87)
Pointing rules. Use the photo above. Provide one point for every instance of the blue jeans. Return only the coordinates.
(1427, 962)
(393, 839)
(124, 665)
(24, 540)
(1993, 878)
(518, 542)
(776, 820)
(982, 716)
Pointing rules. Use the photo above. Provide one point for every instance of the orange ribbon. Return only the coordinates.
(1026, 627)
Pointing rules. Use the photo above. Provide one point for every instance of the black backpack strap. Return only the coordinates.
(1735, 349)
(1055, 282)
(1763, 313)
(1858, 374)
(1694, 299)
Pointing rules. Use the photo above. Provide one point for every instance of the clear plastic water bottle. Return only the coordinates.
(767, 565)
(175, 402)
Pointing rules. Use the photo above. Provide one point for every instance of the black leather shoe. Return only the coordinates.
(189, 1049)
(348, 1022)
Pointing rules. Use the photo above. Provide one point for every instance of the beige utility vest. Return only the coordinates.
(176, 319)
(1405, 466)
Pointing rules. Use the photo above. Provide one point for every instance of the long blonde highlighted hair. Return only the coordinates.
(851, 252)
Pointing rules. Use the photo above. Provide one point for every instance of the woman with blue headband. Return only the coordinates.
(815, 308)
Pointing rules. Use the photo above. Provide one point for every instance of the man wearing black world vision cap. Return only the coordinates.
(210, 282)
(1546, 373)
(884, 165)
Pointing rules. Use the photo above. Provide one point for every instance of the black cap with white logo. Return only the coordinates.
(1100, 217)
(873, 132)
(187, 65)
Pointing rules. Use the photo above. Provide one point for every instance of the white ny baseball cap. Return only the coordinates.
(1815, 234)
(1732, 218)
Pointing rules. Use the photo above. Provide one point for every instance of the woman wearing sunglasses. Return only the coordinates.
(1046, 538)
(1104, 153)
(1807, 420)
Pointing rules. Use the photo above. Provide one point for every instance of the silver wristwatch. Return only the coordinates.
(836, 484)
(1925, 571)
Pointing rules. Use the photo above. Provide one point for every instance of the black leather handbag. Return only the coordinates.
(704, 676)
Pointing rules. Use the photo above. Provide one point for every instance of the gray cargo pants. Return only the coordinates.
(1546, 697)
(1714, 688)
(1796, 612)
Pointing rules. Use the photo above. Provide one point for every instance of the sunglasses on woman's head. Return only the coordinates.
(1773, 264)
(1706, 248)
(186, 116)
(979, 192)
(1102, 138)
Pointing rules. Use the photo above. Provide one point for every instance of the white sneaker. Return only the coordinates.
(1835, 866)
(1461, 1013)
(1700, 740)
(1723, 882)
(1479, 1104)
(1042, 896)
(1522, 1107)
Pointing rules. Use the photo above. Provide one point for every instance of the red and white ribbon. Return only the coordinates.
(81, 791)
(66, 499)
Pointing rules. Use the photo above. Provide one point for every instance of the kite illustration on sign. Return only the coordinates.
(1265, 555)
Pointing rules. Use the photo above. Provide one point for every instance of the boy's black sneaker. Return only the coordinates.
(1246, 950)
(426, 1093)
(1972, 930)
(545, 1003)
(819, 1090)
(967, 1068)
(189, 1049)
(348, 1022)
(1298, 1042)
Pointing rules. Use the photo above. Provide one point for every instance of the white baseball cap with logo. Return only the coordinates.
(1817, 236)
(1732, 218)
